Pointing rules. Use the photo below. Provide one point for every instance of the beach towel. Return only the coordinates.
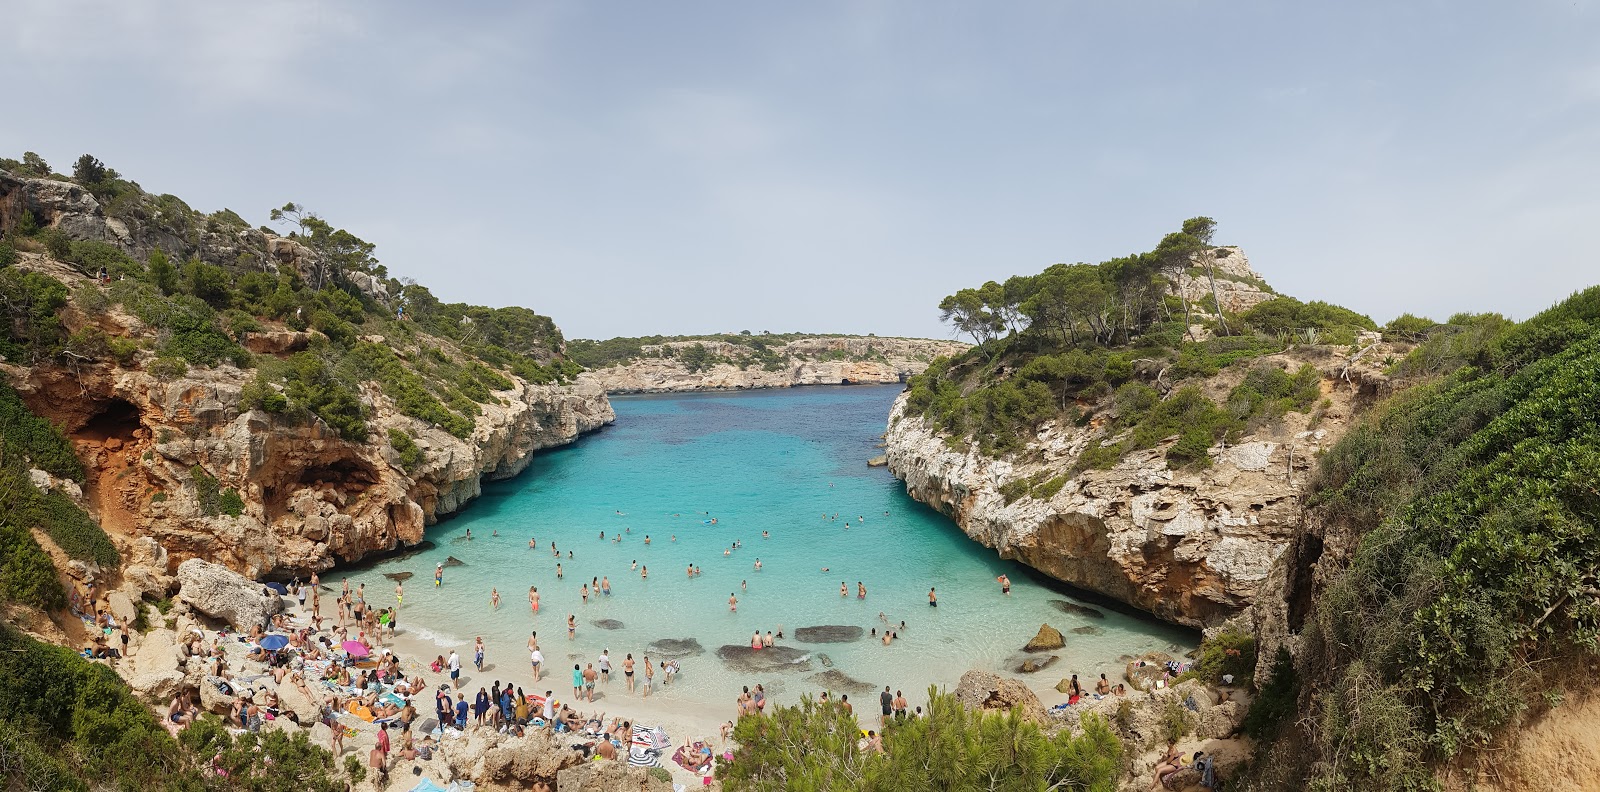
(426, 785)
(646, 746)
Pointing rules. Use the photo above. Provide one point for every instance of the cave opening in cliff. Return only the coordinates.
(1304, 554)
(338, 471)
(115, 418)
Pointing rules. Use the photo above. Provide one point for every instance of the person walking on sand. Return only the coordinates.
(627, 671)
(589, 677)
(533, 599)
(886, 703)
(477, 654)
(577, 682)
(533, 653)
(605, 665)
(454, 664)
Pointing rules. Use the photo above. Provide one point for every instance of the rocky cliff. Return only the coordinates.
(664, 368)
(1190, 545)
(159, 452)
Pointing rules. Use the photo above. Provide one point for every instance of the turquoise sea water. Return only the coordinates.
(774, 461)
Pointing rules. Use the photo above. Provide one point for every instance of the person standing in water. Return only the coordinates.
(649, 675)
(399, 593)
(1005, 585)
(494, 598)
(627, 671)
(559, 573)
(533, 599)
(572, 626)
(861, 590)
(585, 594)
(605, 586)
(733, 602)
(933, 601)
(844, 591)
(438, 576)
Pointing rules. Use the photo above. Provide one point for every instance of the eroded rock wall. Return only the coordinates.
(806, 361)
(309, 498)
(1192, 546)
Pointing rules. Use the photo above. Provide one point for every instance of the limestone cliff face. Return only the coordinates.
(1192, 546)
(310, 498)
(805, 361)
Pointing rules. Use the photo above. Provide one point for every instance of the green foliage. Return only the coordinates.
(80, 714)
(1230, 652)
(1287, 316)
(258, 394)
(816, 747)
(207, 491)
(230, 503)
(1175, 721)
(1208, 357)
(91, 256)
(27, 576)
(27, 437)
(1474, 500)
(408, 389)
(89, 170)
(311, 386)
(8, 254)
(30, 329)
(56, 243)
(67, 525)
(355, 769)
(270, 761)
(161, 272)
(1268, 392)
(1407, 327)
(208, 282)
(410, 455)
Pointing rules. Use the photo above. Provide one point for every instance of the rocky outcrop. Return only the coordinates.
(844, 360)
(1192, 546)
(221, 593)
(159, 452)
(1239, 288)
(1048, 638)
(982, 690)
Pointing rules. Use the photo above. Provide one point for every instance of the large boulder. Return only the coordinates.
(985, 690)
(1047, 639)
(122, 608)
(221, 593)
(157, 686)
(1220, 721)
(539, 754)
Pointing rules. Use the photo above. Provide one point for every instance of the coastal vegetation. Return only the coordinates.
(439, 361)
(819, 747)
(750, 349)
(1471, 597)
(1117, 342)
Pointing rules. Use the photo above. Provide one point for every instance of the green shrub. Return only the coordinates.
(952, 748)
(1231, 652)
(410, 455)
(230, 503)
(311, 386)
(1268, 392)
(28, 437)
(8, 254)
(30, 328)
(207, 491)
(56, 243)
(355, 769)
(27, 575)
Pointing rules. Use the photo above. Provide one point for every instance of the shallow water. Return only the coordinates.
(775, 461)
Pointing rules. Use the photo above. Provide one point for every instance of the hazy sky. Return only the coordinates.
(678, 167)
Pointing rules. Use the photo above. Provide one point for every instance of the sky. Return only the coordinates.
(635, 168)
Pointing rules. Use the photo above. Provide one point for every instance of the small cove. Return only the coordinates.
(774, 461)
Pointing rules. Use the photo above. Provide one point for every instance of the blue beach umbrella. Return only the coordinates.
(272, 643)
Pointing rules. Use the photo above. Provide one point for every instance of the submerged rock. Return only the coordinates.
(878, 461)
(607, 624)
(827, 662)
(1031, 665)
(672, 648)
(840, 681)
(452, 561)
(745, 660)
(1088, 629)
(399, 577)
(828, 633)
(1075, 609)
(1047, 639)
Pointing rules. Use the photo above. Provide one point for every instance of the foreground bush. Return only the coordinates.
(813, 747)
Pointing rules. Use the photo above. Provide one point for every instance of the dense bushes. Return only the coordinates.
(815, 746)
(30, 330)
(27, 437)
(1471, 587)
(311, 386)
(84, 718)
(411, 456)
(1326, 323)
